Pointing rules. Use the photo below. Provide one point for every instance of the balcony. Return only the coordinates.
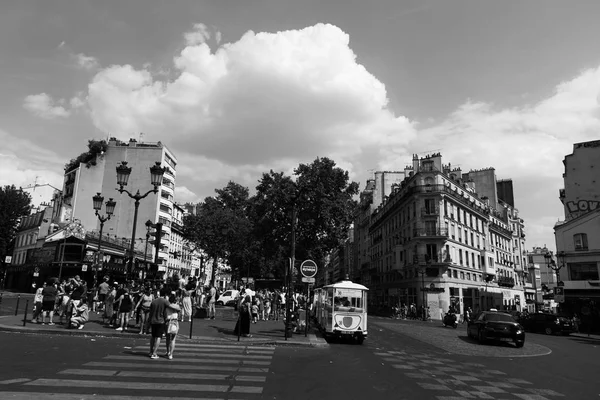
(505, 281)
(435, 258)
(431, 232)
(518, 268)
(430, 211)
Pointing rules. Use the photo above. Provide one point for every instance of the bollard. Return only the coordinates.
(17, 307)
(239, 322)
(191, 324)
(25, 315)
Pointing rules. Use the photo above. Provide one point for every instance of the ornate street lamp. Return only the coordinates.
(110, 209)
(156, 177)
(553, 265)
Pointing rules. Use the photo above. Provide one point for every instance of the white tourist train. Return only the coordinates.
(341, 310)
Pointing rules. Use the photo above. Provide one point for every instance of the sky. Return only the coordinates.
(237, 88)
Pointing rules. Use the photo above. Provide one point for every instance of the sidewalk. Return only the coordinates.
(202, 330)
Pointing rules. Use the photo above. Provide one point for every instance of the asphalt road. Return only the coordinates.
(400, 360)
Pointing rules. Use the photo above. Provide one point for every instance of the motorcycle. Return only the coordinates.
(450, 320)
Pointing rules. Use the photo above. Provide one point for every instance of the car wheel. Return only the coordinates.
(219, 303)
(519, 344)
(548, 331)
(481, 337)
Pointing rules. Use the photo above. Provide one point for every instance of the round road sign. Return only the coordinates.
(308, 268)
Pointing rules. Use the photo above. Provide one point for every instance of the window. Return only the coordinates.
(583, 272)
(455, 274)
(468, 276)
(462, 275)
(580, 240)
(460, 256)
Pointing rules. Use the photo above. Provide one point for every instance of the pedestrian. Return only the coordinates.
(143, 309)
(158, 319)
(186, 306)
(109, 311)
(254, 309)
(81, 314)
(37, 304)
(125, 306)
(212, 299)
(172, 327)
(242, 326)
(48, 300)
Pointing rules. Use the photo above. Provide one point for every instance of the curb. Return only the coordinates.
(313, 340)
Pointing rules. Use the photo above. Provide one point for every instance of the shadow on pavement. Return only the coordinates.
(488, 342)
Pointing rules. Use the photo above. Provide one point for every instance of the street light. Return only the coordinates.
(123, 173)
(110, 209)
(553, 265)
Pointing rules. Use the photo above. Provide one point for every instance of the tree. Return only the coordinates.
(220, 227)
(323, 197)
(14, 204)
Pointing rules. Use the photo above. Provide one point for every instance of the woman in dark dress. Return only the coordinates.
(244, 320)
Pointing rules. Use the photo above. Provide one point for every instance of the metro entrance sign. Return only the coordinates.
(308, 268)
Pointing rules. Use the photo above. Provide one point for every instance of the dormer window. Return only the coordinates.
(580, 241)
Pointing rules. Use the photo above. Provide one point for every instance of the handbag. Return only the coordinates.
(173, 327)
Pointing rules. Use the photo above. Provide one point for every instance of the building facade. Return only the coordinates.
(578, 236)
(84, 180)
(438, 241)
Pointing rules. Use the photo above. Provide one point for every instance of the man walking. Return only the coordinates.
(211, 302)
(158, 319)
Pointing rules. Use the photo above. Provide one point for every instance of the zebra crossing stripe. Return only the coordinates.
(171, 366)
(170, 386)
(84, 396)
(207, 350)
(169, 375)
(226, 346)
(185, 352)
(236, 361)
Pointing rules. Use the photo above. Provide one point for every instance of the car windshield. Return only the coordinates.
(499, 317)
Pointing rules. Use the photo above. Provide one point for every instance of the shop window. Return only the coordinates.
(583, 272)
(581, 242)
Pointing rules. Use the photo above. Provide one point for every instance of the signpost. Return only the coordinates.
(308, 269)
(559, 294)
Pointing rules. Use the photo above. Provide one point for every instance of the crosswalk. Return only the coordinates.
(197, 371)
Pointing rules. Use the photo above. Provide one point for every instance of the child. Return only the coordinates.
(255, 311)
(267, 309)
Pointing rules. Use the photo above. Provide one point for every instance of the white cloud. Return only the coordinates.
(185, 195)
(199, 35)
(86, 62)
(272, 100)
(43, 106)
(77, 101)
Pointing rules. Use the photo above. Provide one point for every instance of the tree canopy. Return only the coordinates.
(253, 234)
(14, 204)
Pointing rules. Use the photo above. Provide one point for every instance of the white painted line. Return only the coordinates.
(191, 360)
(162, 374)
(173, 366)
(184, 352)
(84, 396)
(17, 380)
(170, 386)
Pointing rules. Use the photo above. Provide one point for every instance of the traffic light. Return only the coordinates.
(157, 237)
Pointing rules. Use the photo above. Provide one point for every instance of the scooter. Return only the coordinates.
(450, 320)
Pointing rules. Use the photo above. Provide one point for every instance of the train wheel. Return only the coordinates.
(360, 340)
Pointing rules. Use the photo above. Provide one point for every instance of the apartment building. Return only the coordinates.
(578, 236)
(445, 238)
(97, 174)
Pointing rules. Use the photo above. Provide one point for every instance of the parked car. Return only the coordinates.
(494, 325)
(548, 323)
(228, 298)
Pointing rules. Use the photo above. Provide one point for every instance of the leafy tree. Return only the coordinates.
(14, 204)
(220, 227)
(323, 198)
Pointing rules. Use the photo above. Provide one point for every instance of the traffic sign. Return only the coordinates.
(8, 259)
(306, 279)
(308, 268)
(36, 274)
(84, 267)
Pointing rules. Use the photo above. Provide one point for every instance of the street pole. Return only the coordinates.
(132, 247)
(423, 289)
(62, 257)
(288, 302)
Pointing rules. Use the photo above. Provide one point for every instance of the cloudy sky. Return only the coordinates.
(236, 88)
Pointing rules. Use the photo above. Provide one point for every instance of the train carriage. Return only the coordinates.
(341, 310)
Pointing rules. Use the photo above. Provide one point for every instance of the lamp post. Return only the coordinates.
(110, 209)
(422, 271)
(555, 267)
(156, 177)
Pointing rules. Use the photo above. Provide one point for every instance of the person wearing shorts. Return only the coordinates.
(48, 301)
(158, 319)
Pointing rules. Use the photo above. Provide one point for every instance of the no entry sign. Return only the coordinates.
(308, 268)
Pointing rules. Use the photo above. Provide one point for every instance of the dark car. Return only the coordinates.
(493, 325)
(550, 324)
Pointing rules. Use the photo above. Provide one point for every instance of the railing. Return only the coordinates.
(506, 281)
(500, 229)
(439, 257)
(431, 232)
